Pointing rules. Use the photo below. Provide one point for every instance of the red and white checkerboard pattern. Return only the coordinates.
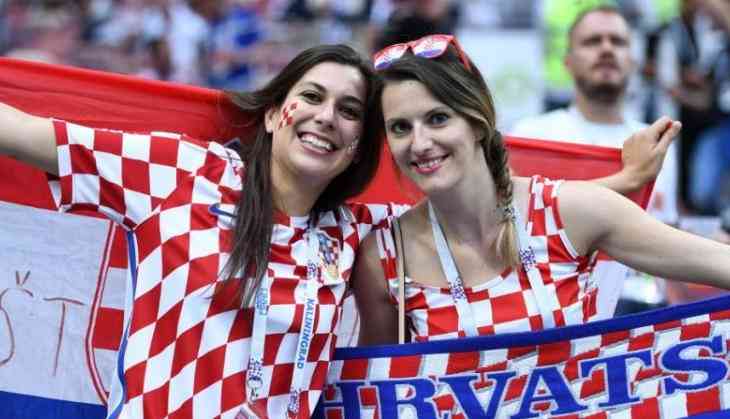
(506, 303)
(185, 351)
(287, 115)
(645, 382)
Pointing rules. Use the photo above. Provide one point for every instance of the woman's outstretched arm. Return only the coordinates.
(596, 218)
(378, 315)
(28, 138)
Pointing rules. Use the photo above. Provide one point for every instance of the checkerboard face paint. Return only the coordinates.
(287, 115)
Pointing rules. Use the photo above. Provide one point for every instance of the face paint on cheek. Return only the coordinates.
(352, 148)
(287, 115)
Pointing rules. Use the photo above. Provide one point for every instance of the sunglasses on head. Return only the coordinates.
(430, 46)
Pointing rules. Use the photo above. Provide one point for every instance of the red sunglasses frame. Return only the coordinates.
(388, 55)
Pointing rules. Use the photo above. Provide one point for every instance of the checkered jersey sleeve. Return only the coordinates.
(378, 219)
(121, 175)
(367, 217)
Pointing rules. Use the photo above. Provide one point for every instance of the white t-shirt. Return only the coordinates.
(186, 33)
(569, 125)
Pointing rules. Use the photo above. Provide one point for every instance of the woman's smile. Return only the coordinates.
(429, 165)
(316, 143)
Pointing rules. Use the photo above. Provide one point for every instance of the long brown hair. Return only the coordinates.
(465, 91)
(254, 212)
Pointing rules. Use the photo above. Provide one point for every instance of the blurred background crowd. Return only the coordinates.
(682, 47)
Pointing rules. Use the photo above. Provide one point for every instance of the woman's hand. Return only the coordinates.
(642, 156)
(643, 153)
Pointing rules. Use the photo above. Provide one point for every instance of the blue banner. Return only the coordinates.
(668, 363)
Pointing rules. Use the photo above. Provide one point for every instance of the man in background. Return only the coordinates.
(599, 59)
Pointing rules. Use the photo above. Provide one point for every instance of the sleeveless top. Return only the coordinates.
(507, 302)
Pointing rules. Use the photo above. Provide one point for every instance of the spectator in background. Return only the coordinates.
(234, 47)
(699, 54)
(186, 29)
(556, 18)
(127, 38)
(93, 14)
(299, 10)
(47, 32)
(342, 20)
(709, 166)
(410, 19)
(600, 63)
(170, 35)
(657, 17)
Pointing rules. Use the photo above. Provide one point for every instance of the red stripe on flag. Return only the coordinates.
(553, 353)
(368, 396)
(648, 408)
(720, 315)
(695, 331)
(108, 329)
(599, 415)
(355, 369)
(405, 366)
(643, 341)
(118, 256)
(24, 185)
(608, 339)
(462, 361)
(704, 401)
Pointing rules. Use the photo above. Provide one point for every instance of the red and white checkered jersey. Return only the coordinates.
(505, 303)
(185, 351)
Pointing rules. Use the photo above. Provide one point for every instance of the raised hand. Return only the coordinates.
(643, 153)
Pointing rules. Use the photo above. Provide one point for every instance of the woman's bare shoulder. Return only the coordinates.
(415, 220)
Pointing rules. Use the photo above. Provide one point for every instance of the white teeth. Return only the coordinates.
(313, 140)
(428, 164)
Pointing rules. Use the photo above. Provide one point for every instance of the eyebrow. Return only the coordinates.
(612, 35)
(439, 108)
(321, 88)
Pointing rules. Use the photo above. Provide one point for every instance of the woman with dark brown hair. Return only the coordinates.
(488, 252)
(239, 261)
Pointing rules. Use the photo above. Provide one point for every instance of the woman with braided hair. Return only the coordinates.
(487, 252)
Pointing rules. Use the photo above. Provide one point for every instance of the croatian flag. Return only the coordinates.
(670, 363)
(62, 280)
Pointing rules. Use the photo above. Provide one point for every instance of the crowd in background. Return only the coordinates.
(238, 44)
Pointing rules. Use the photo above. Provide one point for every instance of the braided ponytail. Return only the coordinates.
(495, 153)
